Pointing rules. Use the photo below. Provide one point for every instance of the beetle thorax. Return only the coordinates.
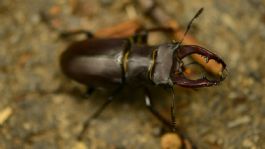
(163, 64)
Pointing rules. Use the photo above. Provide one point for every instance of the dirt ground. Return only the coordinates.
(41, 108)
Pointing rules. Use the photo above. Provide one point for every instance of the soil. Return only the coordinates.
(41, 108)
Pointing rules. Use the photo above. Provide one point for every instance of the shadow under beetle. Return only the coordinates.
(115, 62)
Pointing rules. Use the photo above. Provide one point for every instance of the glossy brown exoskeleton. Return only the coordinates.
(107, 62)
(114, 62)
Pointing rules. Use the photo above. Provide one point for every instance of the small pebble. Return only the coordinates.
(55, 10)
(248, 144)
(79, 145)
(170, 141)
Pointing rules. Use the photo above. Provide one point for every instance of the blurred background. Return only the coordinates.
(41, 108)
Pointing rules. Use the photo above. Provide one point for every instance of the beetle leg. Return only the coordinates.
(148, 103)
(173, 111)
(141, 35)
(90, 90)
(161, 29)
(66, 34)
(99, 111)
(185, 141)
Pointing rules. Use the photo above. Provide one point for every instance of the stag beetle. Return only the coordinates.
(109, 62)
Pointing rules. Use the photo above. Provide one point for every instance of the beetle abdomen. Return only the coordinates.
(138, 63)
(95, 61)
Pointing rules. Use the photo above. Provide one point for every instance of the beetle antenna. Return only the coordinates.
(190, 23)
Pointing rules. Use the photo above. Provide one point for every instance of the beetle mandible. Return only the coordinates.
(108, 62)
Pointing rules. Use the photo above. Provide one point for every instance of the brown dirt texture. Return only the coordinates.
(41, 108)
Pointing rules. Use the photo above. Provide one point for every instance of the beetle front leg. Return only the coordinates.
(99, 111)
(148, 103)
(185, 142)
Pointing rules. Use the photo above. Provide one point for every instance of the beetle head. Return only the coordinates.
(182, 73)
